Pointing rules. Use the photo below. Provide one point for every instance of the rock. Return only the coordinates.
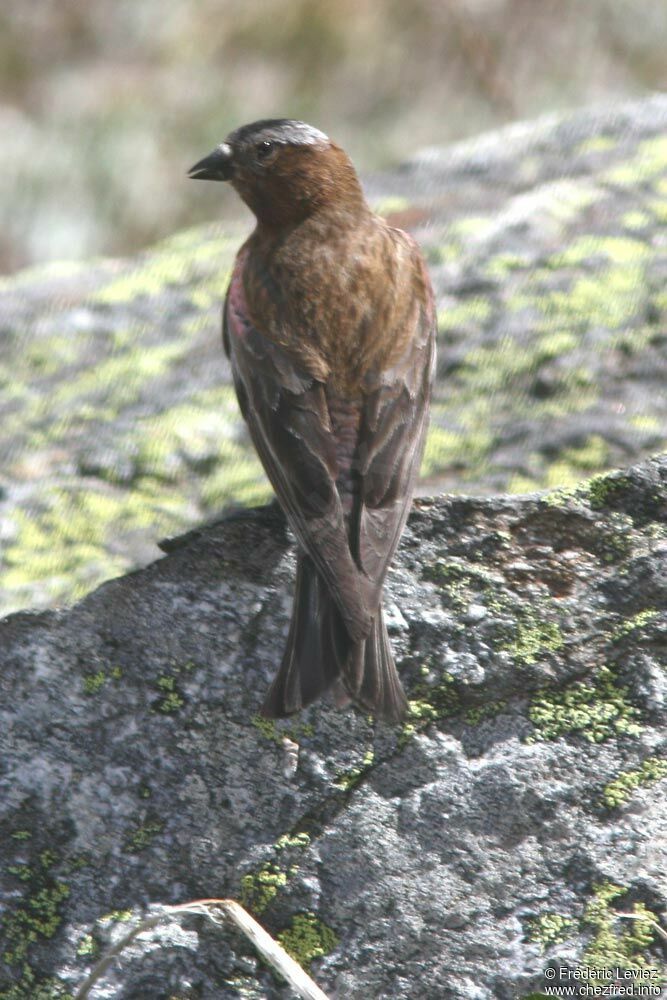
(500, 833)
(546, 244)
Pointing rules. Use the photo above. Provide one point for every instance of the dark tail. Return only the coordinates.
(320, 652)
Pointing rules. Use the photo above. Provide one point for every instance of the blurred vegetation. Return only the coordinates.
(105, 104)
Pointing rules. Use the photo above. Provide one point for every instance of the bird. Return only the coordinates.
(329, 326)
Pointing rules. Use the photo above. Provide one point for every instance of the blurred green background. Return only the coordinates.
(104, 104)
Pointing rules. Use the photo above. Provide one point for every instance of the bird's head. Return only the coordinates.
(284, 171)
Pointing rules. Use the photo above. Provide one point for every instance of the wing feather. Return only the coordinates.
(288, 419)
(396, 421)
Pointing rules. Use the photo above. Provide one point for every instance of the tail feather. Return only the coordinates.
(381, 690)
(320, 655)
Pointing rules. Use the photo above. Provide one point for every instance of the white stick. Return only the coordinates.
(274, 953)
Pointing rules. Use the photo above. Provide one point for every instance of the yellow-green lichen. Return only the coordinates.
(87, 947)
(173, 262)
(66, 543)
(533, 638)
(347, 780)
(635, 220)
(479, 713)
(36, 914)
(609, 298)
(29, 987)
(143, 836)
(116, 917)
(391, 204)
(171, 699)
(604, 490)
(616, 944)
(648, 163)
(596, 710)
(447, 448)
(618, 791)
(633, 624)
(550, 928)
(307, 938)
(288, 841)
(616, 249)
(431, 702)
(475, 311)
(260, 888)
(92, 683)
(596, 144)
(646, 422)
(278, 734)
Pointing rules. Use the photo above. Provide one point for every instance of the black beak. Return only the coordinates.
(217, 166)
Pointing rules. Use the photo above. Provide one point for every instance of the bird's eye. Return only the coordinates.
(264, 149)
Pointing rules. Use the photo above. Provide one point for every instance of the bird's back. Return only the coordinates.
(341, 297)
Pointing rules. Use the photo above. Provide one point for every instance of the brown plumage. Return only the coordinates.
(329, 326)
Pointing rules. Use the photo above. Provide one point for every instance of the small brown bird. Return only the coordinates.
(330, 329)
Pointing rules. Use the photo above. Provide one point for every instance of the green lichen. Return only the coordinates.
(288, 841)
(596, 144)
(444, 449)
(597, 710)
(618, 791)
(432, 702)
(533, 638)
(260, 888)
(143, 836)
(37, 913)
(307, 938)
(479, 713)
(66, 544)
(456, 574)
(646, 422)
(116, 917)
(278, 734)
(549, 928)
(591, 455)
(648, 163)
(615, 249)
(566, 471)
(503, 264)
(475, 311)
(268, 729)
(635, 220)
(93, 683)
(171, 699)
(88, 947)
(174, 261)
(603, 491)
(608, 299)
(391, 204)
(347, 780)
(29, 987)
(616, 944)
(633, 624)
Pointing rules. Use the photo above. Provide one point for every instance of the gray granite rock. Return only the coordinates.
(504, 831)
